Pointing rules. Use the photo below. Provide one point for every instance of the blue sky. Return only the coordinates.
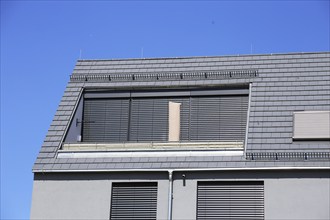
(42, 40)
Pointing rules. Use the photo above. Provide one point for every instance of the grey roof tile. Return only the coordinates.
(101, 166)
(48, 166)
(74, 166)
(92, 166)
(99, 160)
(108, 160)
(83, 166)
(81, 160)
(286, 83)
(45, 150)
(66, 166)
(57, 166)
(37, 166)
(89, 160)
(43, 155)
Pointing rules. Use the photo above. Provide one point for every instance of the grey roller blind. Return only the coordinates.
(133, 201)
(105, 120)
(149, 119)
(233, 114)
(218, 118)
(204, 116)
(230, 200)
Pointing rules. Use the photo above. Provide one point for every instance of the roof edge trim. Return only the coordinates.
(211, 56)
(178, 170)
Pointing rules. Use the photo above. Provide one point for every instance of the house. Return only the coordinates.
(221, 137)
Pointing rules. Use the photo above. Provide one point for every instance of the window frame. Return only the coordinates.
(190, 93)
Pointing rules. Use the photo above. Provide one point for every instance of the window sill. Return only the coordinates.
(173, 149)
(152, 146)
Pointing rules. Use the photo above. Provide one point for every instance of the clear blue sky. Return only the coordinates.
(41, 41)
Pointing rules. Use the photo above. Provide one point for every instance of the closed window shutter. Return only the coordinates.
(133, 201)
(149, 119)
(218, 118)
(143, 117)
(311, 125)
(205, 118)
(105, 120)
(230, 200)
(233, 114)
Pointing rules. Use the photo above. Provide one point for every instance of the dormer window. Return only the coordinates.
(145, 116)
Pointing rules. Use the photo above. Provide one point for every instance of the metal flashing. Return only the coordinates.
(288, 156)
(180, 170)
(165, 76)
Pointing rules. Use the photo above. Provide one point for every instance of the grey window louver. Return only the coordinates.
(149, 119)
(218, 118)
(205, 115)
(105, 120)
(131, 201)
(230, 200)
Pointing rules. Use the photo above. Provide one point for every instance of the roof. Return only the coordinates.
(281, 84)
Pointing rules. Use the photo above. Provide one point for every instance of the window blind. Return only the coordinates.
(133, 201)
(149, 119)
(204, 116)
(105, 120)
(218, 118)
(230, 200)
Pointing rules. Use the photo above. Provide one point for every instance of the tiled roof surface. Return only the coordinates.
(284, 83)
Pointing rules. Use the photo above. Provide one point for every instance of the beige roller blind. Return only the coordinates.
(311, 125)
(174, 121)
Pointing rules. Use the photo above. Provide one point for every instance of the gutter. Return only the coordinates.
(180, 170)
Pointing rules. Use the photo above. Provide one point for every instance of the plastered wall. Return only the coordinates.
(288, 195)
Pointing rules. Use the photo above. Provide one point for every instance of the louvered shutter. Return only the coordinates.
(142, 116)
(105, 120)
(149, 119)
(230, 200)
(133, 201)
(218, 118)
(233, 113)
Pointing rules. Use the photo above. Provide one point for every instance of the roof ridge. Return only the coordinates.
(194, 57)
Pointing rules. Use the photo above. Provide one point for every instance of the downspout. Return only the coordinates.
(170, 194)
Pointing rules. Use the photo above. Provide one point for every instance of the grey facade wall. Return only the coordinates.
(86, 196)
(288, 194)
(81, 199)
(297, 199)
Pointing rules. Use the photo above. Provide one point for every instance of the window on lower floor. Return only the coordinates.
(143, 116)
(230, 200)
(133, 200)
